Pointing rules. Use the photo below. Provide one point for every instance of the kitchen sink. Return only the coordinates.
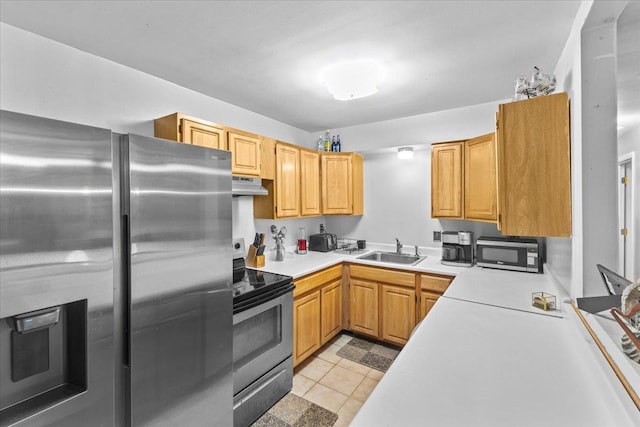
(392, 257)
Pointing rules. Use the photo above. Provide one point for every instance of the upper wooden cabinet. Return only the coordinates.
(178, 127)
(446, 180)
(342, 186)
(463, 179)
(534, 167)
(480, 188)
(287, 181)
(245, 153)
(309, 182)
(245, 147)
(293, 191)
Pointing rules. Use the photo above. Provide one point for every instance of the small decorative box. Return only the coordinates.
(543, 300)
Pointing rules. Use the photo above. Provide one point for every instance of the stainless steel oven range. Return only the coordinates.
(262, 339)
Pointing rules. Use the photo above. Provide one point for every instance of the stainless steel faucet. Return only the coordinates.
(398, 246)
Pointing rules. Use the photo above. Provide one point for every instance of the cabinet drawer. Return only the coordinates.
(435, 283)
(375, 274)
(313, 281)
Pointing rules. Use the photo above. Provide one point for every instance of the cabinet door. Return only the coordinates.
(203, 135)
(446, 180)
(480, 186)
(309, 182)
(245, 153)
(268, 161)
(357, 162)
(427, 301)
(337, 185)
(287, 181)
(534, 167)
(331, 314)
(363, 309)
(306, 326)
(398, 313)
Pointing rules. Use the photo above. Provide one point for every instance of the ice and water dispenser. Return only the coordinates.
(44, 355)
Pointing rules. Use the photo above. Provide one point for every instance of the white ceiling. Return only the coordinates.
(266, 56)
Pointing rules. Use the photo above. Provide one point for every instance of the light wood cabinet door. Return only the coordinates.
(203, 135)
(480, 185)
(245, 153)
(306, 326)
(363, 308)
(337, 184)
(331, 310)
(357, 162)
(309, 182)
(427, 301)
(268, 161)
(287, 181)
(534, 167)
(398, 311)
(447, 180)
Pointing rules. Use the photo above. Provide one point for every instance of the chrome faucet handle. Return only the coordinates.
(417, 250)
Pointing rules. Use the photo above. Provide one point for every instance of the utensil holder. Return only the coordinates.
(253, 259)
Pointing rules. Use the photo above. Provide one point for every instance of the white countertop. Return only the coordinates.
(503, 288)
(494, 367)
(499, 361)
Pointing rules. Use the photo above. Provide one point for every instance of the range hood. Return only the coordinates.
(242, 186)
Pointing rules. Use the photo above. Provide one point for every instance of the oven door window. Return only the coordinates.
(257, 335)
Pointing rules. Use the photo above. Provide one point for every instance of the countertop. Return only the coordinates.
(495, 367)
(499, 361)
(509, 289)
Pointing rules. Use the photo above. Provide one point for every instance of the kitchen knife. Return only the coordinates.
(256, 240)
(260, 250)
(262, 237)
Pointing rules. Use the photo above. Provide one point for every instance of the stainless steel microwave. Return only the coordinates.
(509, 253)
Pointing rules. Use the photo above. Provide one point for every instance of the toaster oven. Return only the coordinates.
(509, 253)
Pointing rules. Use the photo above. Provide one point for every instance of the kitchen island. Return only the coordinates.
(485, 356)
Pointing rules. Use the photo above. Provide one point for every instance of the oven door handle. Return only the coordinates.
(262, 298)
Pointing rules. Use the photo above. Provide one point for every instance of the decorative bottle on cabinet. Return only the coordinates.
(327, 141)
(320, 144)
(338, 146)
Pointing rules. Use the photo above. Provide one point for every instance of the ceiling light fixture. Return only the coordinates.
(353, 79)
(405, 153)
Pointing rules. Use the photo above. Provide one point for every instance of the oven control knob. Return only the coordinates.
(236, 246)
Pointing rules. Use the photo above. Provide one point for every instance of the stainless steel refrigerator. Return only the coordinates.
(115, 278)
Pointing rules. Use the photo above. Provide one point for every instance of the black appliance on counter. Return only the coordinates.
(509, 253)
(262, 338)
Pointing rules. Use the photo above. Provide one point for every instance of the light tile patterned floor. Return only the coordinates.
(335, 383)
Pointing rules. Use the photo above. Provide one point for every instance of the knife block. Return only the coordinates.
(253, 259)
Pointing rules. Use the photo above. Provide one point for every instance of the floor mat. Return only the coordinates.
(294, 411)
(371, 354)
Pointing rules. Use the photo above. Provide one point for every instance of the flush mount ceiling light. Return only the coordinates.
(352, 79)
(405, 153)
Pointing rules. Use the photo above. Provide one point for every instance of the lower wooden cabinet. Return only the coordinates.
(331, 310)
(363, 307)
(382, 303)
(306, 325)
(431, 288)
(317, 311)
(427, 301)
(398, 312)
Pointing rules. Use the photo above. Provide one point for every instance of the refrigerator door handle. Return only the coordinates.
(126, 275)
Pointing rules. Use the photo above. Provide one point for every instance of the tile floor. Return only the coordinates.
(335, 383)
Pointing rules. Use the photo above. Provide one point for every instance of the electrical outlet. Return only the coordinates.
(437, 236)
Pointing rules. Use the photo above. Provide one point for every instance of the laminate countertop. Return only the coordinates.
(485, 357)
